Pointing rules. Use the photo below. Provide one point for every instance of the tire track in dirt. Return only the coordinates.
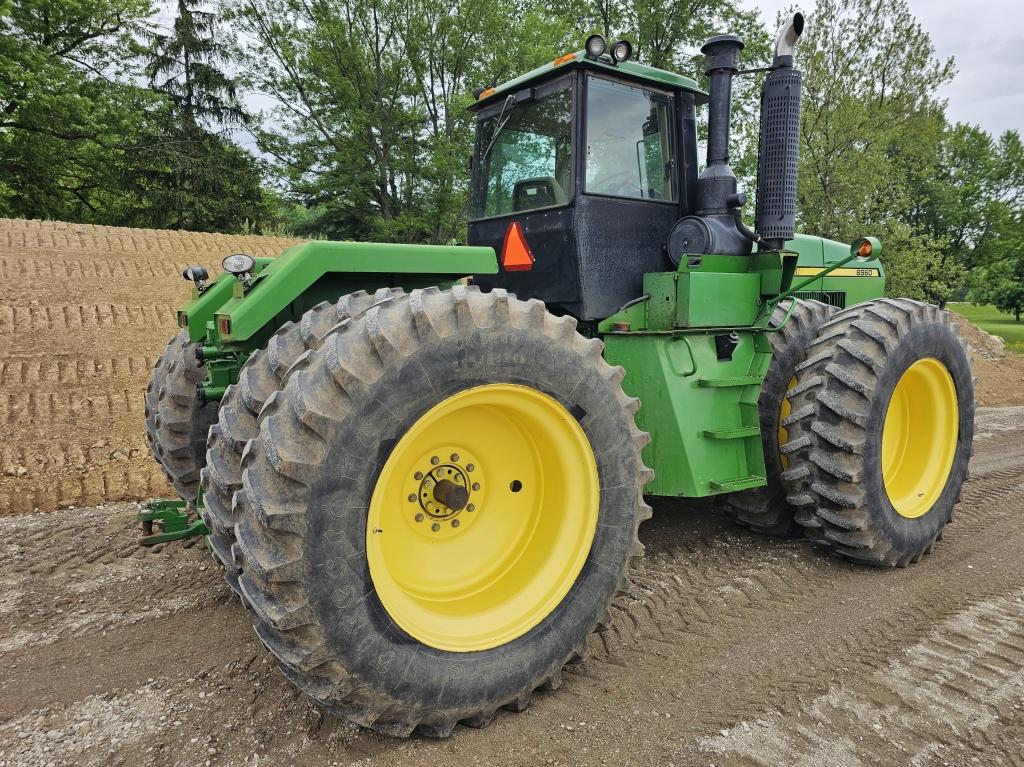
(724, 631)
(18, 371)
(22, 319)
(680, 603)
(95, 269)
(946, 689)
(54, 408)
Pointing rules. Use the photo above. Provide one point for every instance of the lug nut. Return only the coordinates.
(470, 467)
(471, 507)
(455, 457)
(418, 475)
(435, 460)
(412, 497)
(435, 527)
(419, 517)
(455, 523)
(476, 485)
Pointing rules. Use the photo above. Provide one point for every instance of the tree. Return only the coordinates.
(189, 174)
(65, 102)
(1001, 283)
(368, 125)
(871, 125)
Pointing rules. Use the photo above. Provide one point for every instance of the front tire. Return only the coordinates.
(880, 432)
(390, 601)
(176, 423)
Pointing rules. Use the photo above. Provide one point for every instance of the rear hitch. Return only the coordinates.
(172, 518)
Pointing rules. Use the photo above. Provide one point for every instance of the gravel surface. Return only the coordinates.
(733, 649)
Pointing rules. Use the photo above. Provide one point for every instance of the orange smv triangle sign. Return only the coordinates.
(515, 253)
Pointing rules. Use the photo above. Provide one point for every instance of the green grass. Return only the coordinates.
(993, 321)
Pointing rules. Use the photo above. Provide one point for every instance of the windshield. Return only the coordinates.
(523, 157)
(629, 141)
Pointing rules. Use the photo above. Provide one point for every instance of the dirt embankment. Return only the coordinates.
(732, 649)
(84, 313)
(998, 374)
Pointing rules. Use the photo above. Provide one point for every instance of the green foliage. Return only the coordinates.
(871, 122)
(65, 103)
(369, 125)
(365, 133)
(188, 175)
(184, 65)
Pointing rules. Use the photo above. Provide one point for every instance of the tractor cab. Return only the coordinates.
(580, 170)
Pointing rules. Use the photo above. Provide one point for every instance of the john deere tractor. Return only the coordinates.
(423, 467)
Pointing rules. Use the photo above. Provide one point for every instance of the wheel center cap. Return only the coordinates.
(448, 490)
(453, 496)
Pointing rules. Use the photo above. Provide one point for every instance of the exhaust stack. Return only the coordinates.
(713, 229)
(718, 226)
(779, 143)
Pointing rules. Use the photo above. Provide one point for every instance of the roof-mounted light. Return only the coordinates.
(622, 51)
(595, 46)
(239, 264)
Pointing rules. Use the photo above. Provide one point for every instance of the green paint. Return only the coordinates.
(303, 275)
(200, 310)
(701, 412)
(628, 69)
(819, 252)
(173, 520)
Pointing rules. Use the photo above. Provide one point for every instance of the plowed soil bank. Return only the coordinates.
(732, 649)
(84, 313)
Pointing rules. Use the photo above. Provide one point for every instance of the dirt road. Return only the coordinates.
(733, 650)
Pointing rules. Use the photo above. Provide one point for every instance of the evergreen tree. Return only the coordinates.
(191, 175)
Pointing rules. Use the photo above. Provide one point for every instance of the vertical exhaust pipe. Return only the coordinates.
(779, 143)
(717, 182)
(713, 228)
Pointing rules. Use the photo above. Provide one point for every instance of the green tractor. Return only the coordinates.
(423, 468)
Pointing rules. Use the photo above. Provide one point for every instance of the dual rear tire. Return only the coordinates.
(880, 432)
(176, 423)
(867, 421)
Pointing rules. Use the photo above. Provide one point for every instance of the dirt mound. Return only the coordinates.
(998, 374)
(84, 313)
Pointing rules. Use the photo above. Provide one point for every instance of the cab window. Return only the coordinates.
(629, 142)
(523, 157)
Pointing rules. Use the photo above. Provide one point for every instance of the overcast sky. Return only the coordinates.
(986, 37)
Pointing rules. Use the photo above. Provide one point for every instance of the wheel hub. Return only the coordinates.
(445, 490)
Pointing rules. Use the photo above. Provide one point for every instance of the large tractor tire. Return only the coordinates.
(765, 509)
(880, 432)
(441, 504)
(263, 373)
(176, 424)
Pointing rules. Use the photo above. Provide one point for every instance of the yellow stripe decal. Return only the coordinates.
(810, 271)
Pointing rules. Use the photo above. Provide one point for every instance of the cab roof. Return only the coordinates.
(631, 70)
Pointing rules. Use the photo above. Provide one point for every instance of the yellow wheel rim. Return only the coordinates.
(784, 411)
(482, 517)
(919, 437)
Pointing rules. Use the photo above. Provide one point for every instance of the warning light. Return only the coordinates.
(515, 253)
